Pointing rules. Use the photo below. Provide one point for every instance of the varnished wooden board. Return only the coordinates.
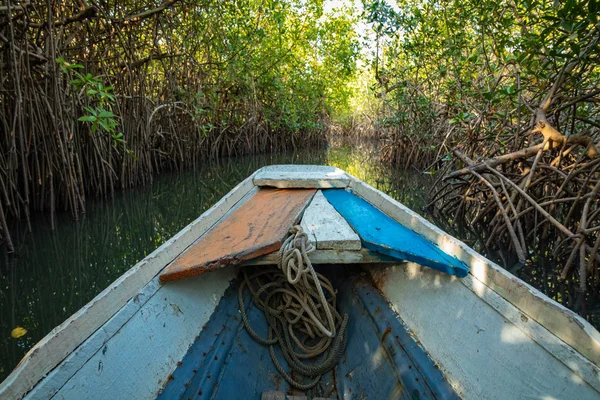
(301, 176)
(256, 228)
(327, 228)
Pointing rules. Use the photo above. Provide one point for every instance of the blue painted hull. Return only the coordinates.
(381, 361)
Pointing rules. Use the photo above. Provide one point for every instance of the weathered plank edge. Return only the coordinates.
(362, 256)
(223, 262)
(289, 179)
(562, 322)
(66, 337)
(304, 183)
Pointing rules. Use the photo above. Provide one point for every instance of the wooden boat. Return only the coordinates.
(170, 327)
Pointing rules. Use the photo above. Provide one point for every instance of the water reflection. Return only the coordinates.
(54, 275)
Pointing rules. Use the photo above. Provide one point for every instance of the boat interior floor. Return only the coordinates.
(382, 360)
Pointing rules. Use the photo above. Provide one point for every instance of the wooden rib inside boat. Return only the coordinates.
(427, 317)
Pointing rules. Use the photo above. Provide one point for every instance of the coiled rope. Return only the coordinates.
(299, 306)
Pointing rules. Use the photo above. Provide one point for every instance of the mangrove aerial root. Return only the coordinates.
(540, 209)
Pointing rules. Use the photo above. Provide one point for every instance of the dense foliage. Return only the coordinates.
(502, 100)
(499, 99)
(100, 94)
(480, 67)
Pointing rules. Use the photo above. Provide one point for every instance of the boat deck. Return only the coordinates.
(340, 224)
(382, 360)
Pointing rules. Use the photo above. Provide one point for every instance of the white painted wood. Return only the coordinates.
(481, 342)
(75, 361)
(327, 228)
(301, 176)
(65, 338)
(562, 322)
(136, 362)
(341, 257)
(572, 359)
(70, 365)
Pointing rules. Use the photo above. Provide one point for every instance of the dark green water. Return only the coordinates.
(54, 274)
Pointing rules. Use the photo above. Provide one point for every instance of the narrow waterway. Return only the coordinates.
(55, 274)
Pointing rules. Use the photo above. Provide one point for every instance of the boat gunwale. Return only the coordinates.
(44, 356)
(569, 327)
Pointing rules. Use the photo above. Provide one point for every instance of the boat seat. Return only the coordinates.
(301, 176)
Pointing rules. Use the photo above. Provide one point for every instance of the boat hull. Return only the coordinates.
(490, 334)
(485, 346)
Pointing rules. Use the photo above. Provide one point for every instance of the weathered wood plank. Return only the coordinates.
(301, 176)
(484, 345)
(66, 337)
(136, 362)
(327, 228)
(341, 257)
(258, 227)
(381, 233)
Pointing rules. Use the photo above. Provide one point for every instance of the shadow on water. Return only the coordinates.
(54, 274)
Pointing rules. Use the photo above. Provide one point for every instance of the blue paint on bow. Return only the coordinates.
(381, 233)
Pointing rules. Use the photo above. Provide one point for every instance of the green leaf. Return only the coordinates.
(488, 95)
(105, 114)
